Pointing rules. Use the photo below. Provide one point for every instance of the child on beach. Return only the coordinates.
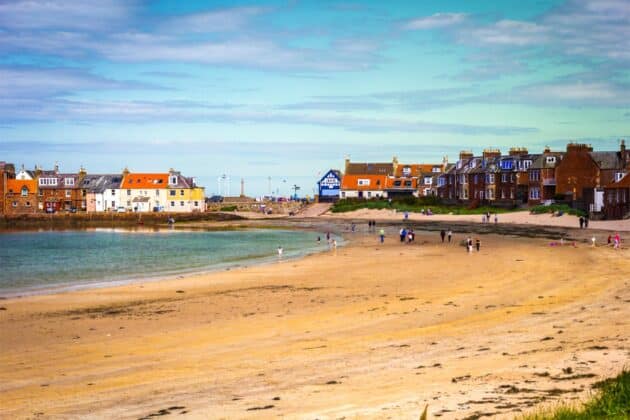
(280, 251)
(450, 235)
(382, 235)
(442, 235)
(477, 244)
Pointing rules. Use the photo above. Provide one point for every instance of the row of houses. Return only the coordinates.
(51, 191)
(595, 181)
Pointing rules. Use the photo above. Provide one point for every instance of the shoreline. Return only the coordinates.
(310, 340)
(62, 288)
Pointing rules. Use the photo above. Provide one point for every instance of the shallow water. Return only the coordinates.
(32, 261)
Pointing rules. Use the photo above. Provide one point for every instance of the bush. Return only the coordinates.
(228, 208)
(554, 208)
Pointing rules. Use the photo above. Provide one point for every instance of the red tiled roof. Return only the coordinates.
(622, 183)
(16, 185)
(351, 182)
(145, 181)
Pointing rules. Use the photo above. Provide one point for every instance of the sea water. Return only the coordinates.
(50, 260)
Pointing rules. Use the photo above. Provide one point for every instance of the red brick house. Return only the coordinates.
(7, 171)
(617, 198)
(542, 177)
(21, 196)
(61, 191)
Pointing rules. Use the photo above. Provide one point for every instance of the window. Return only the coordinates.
(363, 182)
(436, 169)
(128, 192)
(369, 194)
(113, 204)
(173, 180)
(157, 192)
(343, 194)
(172, 204)
(14, 204)
(68, 193)
(181, 204)
(490, 194)
(407, 183)
(504, 177)
(172, 192)
(48, 181)
(618, 176)
(507, 164)
(489, 178)
(68, 182)
(24, 192)
(441, 182)
(527, 164)
(28, 204)
(181, 192)
(406, 171)
(550, 160)
(196, 203)
(534, 193)
(476, 178)
(428, 180)
(113, 192)
(128, 202)
(397, 183)
(534, 176)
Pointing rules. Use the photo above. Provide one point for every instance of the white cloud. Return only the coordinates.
(224, 20)
(438, 20)
(508, 32)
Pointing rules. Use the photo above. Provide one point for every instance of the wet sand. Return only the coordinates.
(368, 330)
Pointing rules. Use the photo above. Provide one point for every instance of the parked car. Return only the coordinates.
(215, 199)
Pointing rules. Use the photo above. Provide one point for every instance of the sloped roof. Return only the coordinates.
(541, 161)
(622, 183)
(370, 169)
(390, 183)
(607, 160)
(16, 185)
(145, 181)
(351, 182)
(100, 183)
(61, 180)
(416, 169)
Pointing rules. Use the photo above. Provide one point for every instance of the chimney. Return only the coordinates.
(125, 172)
(491, 153)
(579, 147)
(395, 163)
(622, 146)
(347, 163)
(547, 149)
(82, 172)
(465, 154)
(518, 151)
(56, 168)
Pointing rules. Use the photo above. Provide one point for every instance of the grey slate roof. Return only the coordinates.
(370, 169)
(99, 183)
(607, 160)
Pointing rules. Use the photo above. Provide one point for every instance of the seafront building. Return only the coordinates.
(593, 181)
(52, 191)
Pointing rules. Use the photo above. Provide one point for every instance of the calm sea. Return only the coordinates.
(34, 261)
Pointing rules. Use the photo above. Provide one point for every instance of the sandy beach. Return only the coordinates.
(368, 330)
(518, 217)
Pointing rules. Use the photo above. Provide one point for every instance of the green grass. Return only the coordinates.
(413, 205)
(228, 208)
(612, 401)
(555, 208)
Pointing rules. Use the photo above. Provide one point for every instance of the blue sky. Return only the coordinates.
(287, 89)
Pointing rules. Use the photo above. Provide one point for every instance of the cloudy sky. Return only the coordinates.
(287, 89)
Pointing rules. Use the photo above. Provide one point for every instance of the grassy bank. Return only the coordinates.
(612, 401)
(555, 208)
(413, 206)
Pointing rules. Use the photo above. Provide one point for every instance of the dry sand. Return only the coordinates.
(368, 331)
(519, 217)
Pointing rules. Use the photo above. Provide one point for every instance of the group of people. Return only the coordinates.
(615, 241)
(407, 235)
(470, 244)
(583, 222)
(486, 217)
(444, 234)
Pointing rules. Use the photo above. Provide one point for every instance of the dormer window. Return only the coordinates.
(68, 181)
(172, 180)
(24, 191)
(619, 176)
(406, 171)
(551, 160)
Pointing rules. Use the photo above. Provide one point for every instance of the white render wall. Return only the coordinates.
(355, 194)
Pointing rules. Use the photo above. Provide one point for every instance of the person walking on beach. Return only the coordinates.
(586, 222)
(382, 235)
(496, 218)
(581, 222)
(478, 244)
(617, 241)
(280, 251)
(450, 235)
(403, 234)
(442, 235)
(469, 243)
